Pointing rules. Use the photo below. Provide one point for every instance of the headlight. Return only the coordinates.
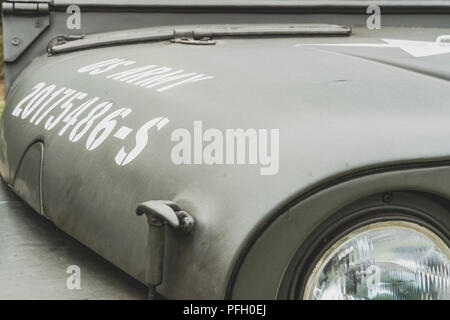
(387, 260)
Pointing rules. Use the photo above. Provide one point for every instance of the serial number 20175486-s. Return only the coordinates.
(37, 107)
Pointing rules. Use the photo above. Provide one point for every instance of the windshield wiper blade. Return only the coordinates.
(198, 33)
(255, 30)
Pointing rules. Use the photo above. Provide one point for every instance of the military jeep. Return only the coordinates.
(238, 149)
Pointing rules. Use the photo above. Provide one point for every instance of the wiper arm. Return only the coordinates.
(208, 32)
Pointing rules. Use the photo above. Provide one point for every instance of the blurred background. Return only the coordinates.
(2, 74)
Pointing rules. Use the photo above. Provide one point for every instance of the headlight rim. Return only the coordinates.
(408, 206)
(315, 273)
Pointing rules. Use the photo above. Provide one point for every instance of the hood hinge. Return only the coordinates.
(23, 22)
(24, 7)
(189, 37)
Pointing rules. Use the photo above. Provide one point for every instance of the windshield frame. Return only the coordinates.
(258, 6)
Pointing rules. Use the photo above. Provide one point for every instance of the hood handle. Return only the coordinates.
(160, 213)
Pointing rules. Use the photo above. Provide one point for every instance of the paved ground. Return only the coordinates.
(34, 256)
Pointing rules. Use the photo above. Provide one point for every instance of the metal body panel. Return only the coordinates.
(335, 113)
(27, 181)
(270, 254)
(21, 28)
(104, 19)
(322, 5)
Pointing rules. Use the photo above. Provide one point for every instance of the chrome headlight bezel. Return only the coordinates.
(422, 209)
(368, 228)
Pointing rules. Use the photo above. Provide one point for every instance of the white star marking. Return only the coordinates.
(415, 48)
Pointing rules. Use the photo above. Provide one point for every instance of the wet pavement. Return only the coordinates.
(35, 255)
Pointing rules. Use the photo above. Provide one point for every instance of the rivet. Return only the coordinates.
(15, 41)
(387, 197)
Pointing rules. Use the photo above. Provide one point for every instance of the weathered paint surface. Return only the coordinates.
(338, 109)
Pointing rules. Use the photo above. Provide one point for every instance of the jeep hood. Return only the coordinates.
(339, 109)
